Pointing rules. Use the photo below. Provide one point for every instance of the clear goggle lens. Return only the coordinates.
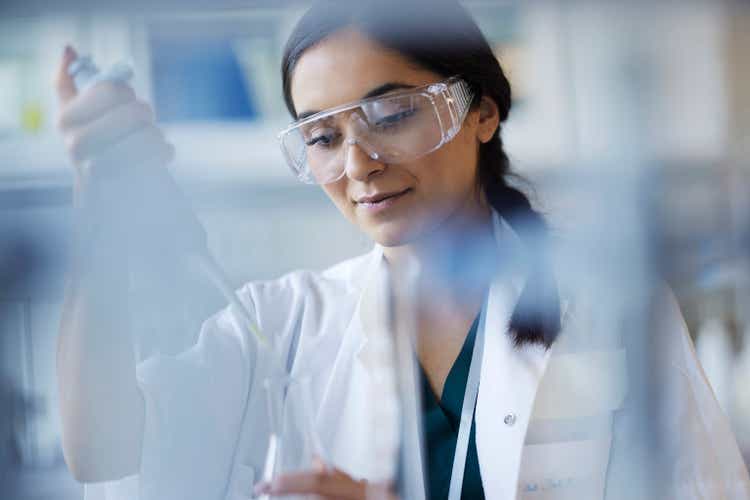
(391, 129)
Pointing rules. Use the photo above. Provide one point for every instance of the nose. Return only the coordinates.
(360, 165)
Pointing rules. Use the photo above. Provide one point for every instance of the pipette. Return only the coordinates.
(85, 74)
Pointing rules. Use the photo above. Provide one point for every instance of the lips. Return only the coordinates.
(378, 197)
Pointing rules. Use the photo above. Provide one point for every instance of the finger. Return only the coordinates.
(326, 484)
(144, 146)
(93, 103)
(66, 88)
(381, 491)
(318, 465)
(105, 131)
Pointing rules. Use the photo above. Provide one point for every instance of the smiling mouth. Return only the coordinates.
(380, 199)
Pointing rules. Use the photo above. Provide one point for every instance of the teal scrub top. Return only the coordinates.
(441, 419)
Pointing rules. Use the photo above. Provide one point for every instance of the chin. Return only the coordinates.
(394, 234)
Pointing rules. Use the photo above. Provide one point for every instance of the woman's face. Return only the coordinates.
(437, 188)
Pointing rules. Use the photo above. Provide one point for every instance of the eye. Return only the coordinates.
(322, 140)
(395, 119)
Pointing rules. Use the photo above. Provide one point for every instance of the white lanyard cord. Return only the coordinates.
(467, 411)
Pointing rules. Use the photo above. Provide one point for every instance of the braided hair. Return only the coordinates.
(441, 36)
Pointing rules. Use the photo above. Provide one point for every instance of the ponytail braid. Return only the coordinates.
(536, 317)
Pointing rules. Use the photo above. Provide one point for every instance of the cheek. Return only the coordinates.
(337, 193)
(451, 170)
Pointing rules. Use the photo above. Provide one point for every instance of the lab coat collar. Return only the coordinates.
(509, 377)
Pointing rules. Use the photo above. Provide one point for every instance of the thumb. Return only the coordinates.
(319, 465)
(66, 88)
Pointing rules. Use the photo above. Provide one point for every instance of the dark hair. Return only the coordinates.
(441, 36)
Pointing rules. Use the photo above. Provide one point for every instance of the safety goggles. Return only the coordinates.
(393, 128)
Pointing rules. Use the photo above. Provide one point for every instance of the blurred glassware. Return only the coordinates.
(714, 351)
(293, 444)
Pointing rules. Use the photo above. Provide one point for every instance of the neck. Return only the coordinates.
(455, 265)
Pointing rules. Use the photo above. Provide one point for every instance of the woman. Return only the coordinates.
(398, 109)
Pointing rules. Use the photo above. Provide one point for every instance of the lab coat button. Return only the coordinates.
(510, 419)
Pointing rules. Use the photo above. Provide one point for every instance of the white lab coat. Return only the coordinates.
(545, 419)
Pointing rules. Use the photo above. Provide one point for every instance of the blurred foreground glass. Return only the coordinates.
(293, 443)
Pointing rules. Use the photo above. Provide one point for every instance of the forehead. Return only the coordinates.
(345, 66)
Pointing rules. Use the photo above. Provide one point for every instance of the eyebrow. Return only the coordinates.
(379, 90)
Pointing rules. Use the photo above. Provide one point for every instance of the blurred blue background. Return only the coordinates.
(199, 80)
(211, 69)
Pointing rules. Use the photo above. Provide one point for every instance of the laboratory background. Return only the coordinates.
(630, 122)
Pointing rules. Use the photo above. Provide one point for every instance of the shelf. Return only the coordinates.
(211, 153)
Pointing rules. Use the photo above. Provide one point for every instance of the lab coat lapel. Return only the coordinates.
(347, 403)
(508, 384)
